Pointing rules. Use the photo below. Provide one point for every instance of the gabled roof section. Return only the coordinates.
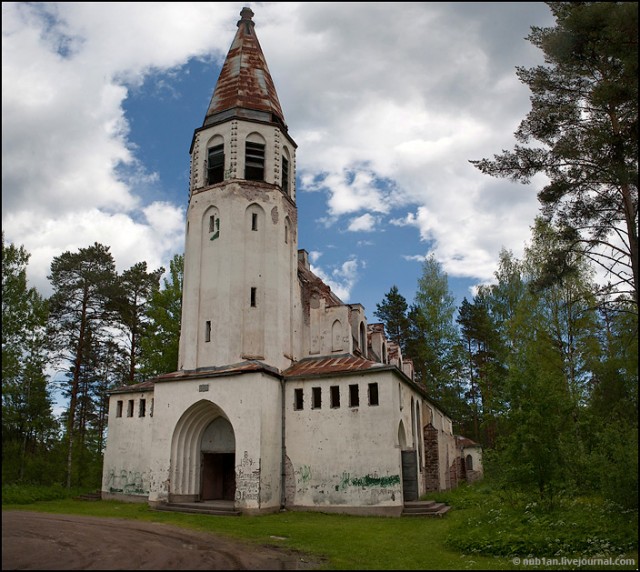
(245, 85)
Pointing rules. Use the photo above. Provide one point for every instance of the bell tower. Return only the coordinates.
(240, 291)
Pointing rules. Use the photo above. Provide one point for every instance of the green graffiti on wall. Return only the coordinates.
(367, 481)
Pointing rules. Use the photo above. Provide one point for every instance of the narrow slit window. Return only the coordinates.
(354, 395)
(254, 221)
(207, 331)
(334, 394)
(254, 161)
(298, 399)
(285, 175)
(373, 394)
(215, 165)
(316, 398)
(119, 408)
(151, 408)
(253, 297)
(142, 408)
(130, 408)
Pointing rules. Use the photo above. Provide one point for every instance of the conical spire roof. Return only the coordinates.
(245, 84)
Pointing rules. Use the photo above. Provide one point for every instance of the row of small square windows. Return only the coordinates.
(298, 404)
(142, 408)
(334, 396)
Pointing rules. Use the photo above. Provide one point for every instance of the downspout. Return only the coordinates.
(283, 448)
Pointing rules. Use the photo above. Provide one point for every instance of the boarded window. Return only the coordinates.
(316, 398)
(254, 161)
(215, 165)
(354, 395)
(373, 394)
(298, 399)
(334, 393)
(142, 408)
(119, 408)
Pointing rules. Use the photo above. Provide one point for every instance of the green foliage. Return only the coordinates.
(501, 522)
(28, 494)
(136, 288)
(28, 426)
(161, 339)
(392, 311)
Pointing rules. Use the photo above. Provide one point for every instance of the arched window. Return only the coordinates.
(469, 463)
(254, 157)
(286, 188)
(215, 160)
(336, 336)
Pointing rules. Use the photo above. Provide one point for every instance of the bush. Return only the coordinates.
(506, 522)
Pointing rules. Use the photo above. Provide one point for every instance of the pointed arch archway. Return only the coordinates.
(203, 454)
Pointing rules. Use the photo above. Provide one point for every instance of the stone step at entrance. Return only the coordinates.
(213, 507)
(425, 508)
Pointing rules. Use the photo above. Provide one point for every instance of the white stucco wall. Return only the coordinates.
(220, 273)
(346, 456)
(126, 469)
(251, 404)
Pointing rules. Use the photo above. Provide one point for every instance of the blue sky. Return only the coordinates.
(387, 101)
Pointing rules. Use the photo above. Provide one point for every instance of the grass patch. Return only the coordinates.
(27, 494)
(485, 530)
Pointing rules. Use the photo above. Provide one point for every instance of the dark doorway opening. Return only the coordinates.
(218, 476)
(409, 476)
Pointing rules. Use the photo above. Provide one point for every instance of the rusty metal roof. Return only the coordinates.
(136, 387)
(344, 363)
(245, 82)
(465, 442)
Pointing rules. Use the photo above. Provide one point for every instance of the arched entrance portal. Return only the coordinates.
(202, 455)
(218, 461)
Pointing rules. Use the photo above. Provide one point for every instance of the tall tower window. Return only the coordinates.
(254, 161)
(215, 165)
(285, 175)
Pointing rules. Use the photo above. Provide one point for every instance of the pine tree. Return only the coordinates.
(584, 115)
(392, 311)
(28, 425)
(160, 341)
(84, 287)
(136, 289)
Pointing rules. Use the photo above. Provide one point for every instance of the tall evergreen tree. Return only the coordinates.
(584, 115)
(136, 289)
(484, 368)
(160, 341)
(392, 311)
(28, 425)
(84, 285)
(433, 342)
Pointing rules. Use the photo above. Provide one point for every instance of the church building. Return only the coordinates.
(284, 397)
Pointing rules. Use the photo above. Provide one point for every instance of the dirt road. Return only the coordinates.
(41, 541)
